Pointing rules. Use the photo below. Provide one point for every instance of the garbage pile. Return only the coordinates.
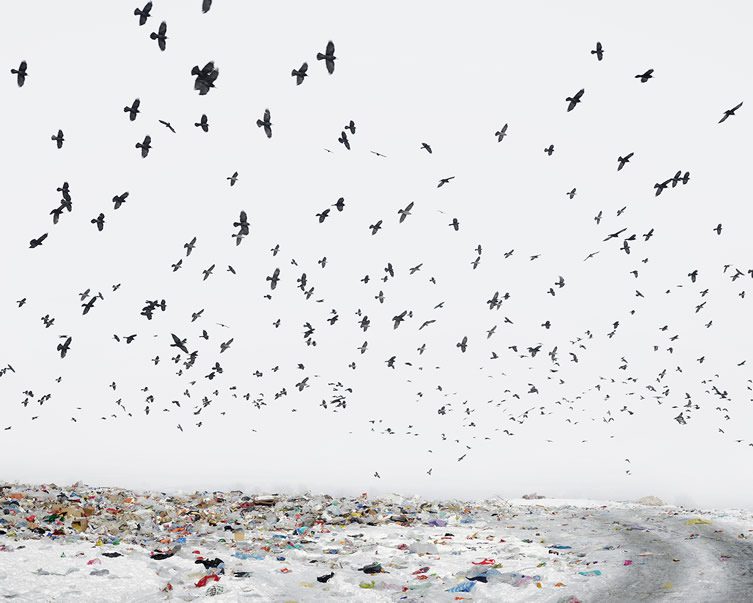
(113, 544)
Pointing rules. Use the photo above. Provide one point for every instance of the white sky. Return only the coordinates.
(406, 73)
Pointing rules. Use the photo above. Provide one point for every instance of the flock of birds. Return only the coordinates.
(188, 350)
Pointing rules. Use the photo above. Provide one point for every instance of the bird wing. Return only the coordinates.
(162, 28)
(206, 5)
(330, 48)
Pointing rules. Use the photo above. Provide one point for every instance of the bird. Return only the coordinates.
(118, 200)
(99, 221)
(571, 193)
(37, 242)
(718, 229)
(208, 272)
(143, 13)
(323, 216)
(145, 146)
(58, 138)
(190, 246)
(598, 51)
(574, 100)
(133, 110)
(203, 123)
(727, 113)
(645, 76)
(328, 57)
(265, 123)
(168, 125)
(463, 344)
(404, 213)
(160, 35)
(455, 224)
(21, 74)
(426, 147)
(352, 127)
(343, 140)
(179, 343)
(501, 133)
(64, 347)
(233, 179)
(274, 279)
(375, 227)
(205, 77)
(621, 161)
(549, 150)
(300, 73)
(340, 204)
(205, 6)
(444, 181)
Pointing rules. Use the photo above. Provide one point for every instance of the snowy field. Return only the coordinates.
(107, 545)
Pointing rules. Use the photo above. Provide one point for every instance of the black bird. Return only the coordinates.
(64, 347)
(143, 13)
(274, 279)
(65, 191)
(265, 123)
(352, 127)
(37, 242)
(205, 77)
(167, 124)
(549, 150)
(58, 138)
(621, 161)
(323, 216)
(463, 344)
(340, 205)
(574, 100)
(426, 147)
(242, 224)
(404, 213)
(571, 193)
(718, 229)
(118, 200)
(208, 272)
(233, 179)
(644, 77)
(444, 181)
(203, 123)
(328, 57)
(501, 133)
(300, 73)
(375, 227)
(56, 213)
(598, 51)
(189, 247)
(160, 35)
(206, 5)
(145, 146)
(133, 110)
(179, 343)
(727, 113)
(21, 75)
(399, 318)
(455, 224)
(99, 221)
(344, 140)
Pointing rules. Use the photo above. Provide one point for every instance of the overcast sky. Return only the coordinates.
(406, 73)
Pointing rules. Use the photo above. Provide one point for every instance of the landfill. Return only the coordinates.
(82, 543)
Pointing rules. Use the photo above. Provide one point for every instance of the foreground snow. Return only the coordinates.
(542, 550)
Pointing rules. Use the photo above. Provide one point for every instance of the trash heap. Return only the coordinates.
(154, 546)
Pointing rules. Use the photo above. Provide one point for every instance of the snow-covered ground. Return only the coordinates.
(518, 550)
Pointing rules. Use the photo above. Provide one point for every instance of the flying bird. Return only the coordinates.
(265, 123)
(426, 147)
(160, 35)
(58, 138)
(300, 73)
(145, 146)
(21, 74)
(621, 161)
(118, 200)
(645, 76)
(598, 51)
(133, 110)
(727, 113)
(143, 13)
(37, 242)
(168, 125)
(99, 221)
(328, 57)
(203, 123)
(501, 133)
(343, 140)
(404, 213)
(574, 100)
